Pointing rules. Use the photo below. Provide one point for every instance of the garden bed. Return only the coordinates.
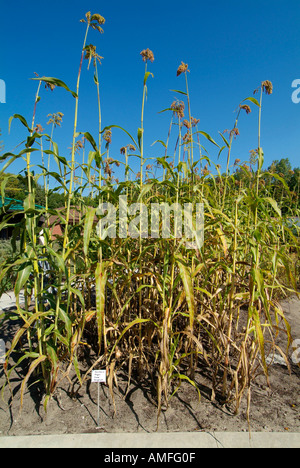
(272, 409)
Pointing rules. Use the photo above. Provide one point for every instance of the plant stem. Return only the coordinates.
(73, 145)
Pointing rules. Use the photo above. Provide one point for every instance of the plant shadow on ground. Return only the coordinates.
(273, 409)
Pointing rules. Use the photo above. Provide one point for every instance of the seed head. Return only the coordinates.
(80, 144)
(90, 53)
(95, 21)
(246, 108)
(235, 132)
(267, 87)
(194, 121)
(98, 18)
(39, 129)
(129, 147)
(182, 68)
(55, 119)
(50, 86)
(178, 108)
(107, 170)
(107, 136)
(205, 171)
(147, 54)
(187, 137)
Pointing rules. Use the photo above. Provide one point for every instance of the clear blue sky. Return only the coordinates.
(230, 47)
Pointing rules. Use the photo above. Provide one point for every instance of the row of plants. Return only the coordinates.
(150, 307)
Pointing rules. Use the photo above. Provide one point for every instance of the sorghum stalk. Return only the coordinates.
(74, 144)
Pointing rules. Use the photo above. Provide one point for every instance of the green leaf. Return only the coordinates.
(67, 321)
(22, 120)
(177, 91)
(146, 188)
(260, 337)
(140, 134)
(165, 164)
(96, 79)
(22, 277)
(224, 139)
(165, 110)
(159, 141)
(101, 279)
(186, 277)
(28, 203)
(260, 159)
(184, 377)
(277, 177)
(209, 138)
(77, 293)
(274, 205)
(253, 100)
(25, 327)
(88, 226)
(147, 74)
(123, 129)
(14, 157)
(89, 137)
(55, 82)
(59, 259)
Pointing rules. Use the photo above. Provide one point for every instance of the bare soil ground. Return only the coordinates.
(274, 409)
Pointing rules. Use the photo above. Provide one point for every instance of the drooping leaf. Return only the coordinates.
(186, 277)
(22, 120)
(101, 279)
(178, 91)
(88, 226)
(274, 205)
(140, 134)
(253, 100)
(33, 366)
(23, 276)
(224, 139)
(55, 82)
(123, 129)
(147, 74)
(209, 138)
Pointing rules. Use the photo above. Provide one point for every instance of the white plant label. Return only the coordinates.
(296, 353)
(2, 352)
(99, 376)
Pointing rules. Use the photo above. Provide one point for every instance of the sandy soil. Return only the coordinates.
(273, 409)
